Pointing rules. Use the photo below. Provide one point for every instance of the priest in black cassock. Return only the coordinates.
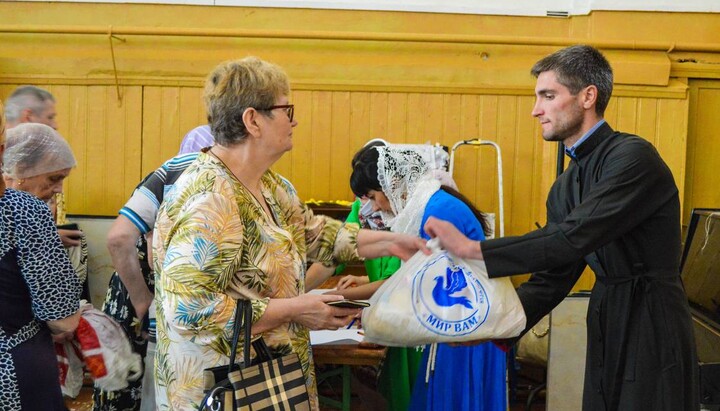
(616, 209)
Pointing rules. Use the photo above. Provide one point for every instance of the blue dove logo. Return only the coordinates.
(454, 282)
(448, 299)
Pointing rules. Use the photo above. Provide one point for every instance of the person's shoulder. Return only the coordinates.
(627, 144)
(446, 206)
(24, 208)
(442, 200)
(22, 198)
(634, 154)
(179, 162)
(278, 181)
(621, 138)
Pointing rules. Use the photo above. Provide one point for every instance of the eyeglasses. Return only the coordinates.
(289, 109)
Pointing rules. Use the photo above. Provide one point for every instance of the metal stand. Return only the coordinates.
(478, 142)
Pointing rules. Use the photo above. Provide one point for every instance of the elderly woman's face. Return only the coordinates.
(43, 186)
(279, 126)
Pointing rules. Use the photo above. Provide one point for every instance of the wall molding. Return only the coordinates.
(676, 89)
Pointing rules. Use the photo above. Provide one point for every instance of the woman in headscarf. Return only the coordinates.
(231, 228)
(401, 185)
(39, 291)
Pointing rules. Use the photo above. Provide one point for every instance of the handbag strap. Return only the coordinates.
(262, 352)
(243, 319)
(247, 324)
(239, 322)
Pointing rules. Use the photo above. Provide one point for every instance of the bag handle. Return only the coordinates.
(247, 326)
(434, 245)
(240, 304)
(243, 319)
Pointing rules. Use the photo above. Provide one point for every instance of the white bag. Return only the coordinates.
(441, 298)
(101, 346)
(106, 351)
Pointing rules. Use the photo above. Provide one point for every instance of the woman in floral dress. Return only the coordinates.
(232, 228)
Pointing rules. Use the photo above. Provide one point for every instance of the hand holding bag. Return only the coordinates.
(440, 298)
(266, 383)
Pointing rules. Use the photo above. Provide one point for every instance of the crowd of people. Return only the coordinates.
(215, 224)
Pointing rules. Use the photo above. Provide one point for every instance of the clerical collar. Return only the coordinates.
(571, 151)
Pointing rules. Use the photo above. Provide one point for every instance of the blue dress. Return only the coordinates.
(467, 378)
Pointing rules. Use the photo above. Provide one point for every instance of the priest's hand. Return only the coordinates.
(453, 240)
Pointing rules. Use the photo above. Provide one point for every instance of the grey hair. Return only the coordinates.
(233, 87)
(26, 97)
(577, 67)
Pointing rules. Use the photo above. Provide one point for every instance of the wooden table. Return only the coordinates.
(345, 355)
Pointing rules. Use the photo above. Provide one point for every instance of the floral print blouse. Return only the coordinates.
(213, 243)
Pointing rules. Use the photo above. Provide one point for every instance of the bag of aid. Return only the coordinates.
(440, 298)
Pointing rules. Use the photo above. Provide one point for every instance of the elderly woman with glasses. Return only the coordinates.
(232, 228)
(39, 291)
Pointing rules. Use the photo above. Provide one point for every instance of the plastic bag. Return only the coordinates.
(106, 351)
(441, 298)
(71, 368)
(103, 348)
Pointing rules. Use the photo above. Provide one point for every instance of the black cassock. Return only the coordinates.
(616, 209)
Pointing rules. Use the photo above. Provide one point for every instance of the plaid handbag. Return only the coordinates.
(267, 383)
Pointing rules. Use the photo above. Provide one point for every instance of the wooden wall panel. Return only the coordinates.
(340, 146)
(702, 180)
(333, 125)
(106, 140)
(301, 159)
(320, 145)
(168, 114)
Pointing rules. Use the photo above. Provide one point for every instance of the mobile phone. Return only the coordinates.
(70, 226)
(349, 303)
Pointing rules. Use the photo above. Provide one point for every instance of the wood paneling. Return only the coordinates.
(168, 114)
(702, 180)
(105, 136)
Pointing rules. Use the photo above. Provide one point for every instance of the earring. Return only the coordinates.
(20, 182)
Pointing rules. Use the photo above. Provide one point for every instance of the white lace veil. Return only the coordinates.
(407, 181)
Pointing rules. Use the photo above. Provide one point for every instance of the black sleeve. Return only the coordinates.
(546, 289)
(632, 185)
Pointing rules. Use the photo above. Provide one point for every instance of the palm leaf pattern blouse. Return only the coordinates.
(214, 243)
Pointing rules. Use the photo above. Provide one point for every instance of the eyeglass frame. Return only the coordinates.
(290, 109)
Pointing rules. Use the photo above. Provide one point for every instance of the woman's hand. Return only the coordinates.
(64, 329)
(374, 244)
(70, 238)
(313, 312)
(310, 310)
(352, 281)
(405, 246)
(63, 337)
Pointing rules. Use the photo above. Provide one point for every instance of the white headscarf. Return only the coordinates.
(407, 181)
